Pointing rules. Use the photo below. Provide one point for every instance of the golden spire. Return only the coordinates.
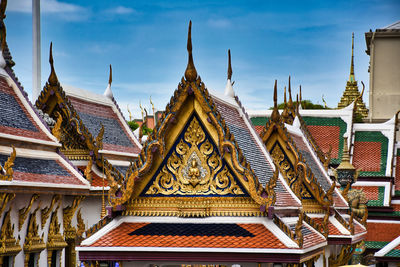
(190, 73)
(290, 103)
(3, 6)
(352, 77)
(285, 113)
(275, 113)
(229, 65)
(53, 80)
(301, 98)
(110, 77)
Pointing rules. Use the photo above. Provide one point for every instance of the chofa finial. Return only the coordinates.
(110, 77)
(190, 73)
(352, 78)
(53, 80)
(108, 93)
(228, 88)
(3, 6)
(229, 65)
(290, 102)
(275, 113)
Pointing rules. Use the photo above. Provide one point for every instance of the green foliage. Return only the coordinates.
(133, 125)
(146, 130)
(306, 104)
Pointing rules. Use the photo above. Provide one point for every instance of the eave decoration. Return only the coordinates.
(47, 211)
(33, 242)
(9, 245)
(55, 240)
(77, 142)
(23, 213)
(296, 172)
(68, 213)
(201, 156)
(6, 171)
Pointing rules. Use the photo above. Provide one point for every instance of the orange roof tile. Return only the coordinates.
(260, 237)
(382, 231)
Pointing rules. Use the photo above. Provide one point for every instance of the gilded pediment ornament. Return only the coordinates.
(23, 213)
(9, 246)
(6, 172)
(47, 211)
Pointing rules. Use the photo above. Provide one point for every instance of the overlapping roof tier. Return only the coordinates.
(33, 161)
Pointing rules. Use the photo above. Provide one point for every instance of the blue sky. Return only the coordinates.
(145, 41)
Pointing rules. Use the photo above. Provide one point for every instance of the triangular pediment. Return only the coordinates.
(194, 167)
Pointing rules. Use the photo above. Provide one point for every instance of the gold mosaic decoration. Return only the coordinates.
(6, 172)
(9, 246)
(194, 168)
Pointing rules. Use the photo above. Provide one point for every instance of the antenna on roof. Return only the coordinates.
(53, 80)
(190, 73)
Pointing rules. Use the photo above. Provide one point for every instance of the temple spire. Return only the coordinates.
(290, 103)
(108, 93)
(53, 80)
(228, 88)
(190, 73)
(352, 77)
(275, 117)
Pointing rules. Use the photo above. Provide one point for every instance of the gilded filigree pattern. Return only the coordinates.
(194, 168)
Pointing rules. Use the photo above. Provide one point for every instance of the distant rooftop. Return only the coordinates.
(394, 26)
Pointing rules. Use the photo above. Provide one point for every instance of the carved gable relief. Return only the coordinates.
(194, 167)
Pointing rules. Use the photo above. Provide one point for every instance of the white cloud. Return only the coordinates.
(219, 23)
(121, 10)
(46, 6)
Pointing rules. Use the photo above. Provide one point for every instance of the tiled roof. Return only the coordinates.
(252, 152)
(374, 194)
(394, 252)
(310, 236)
(397, 174)
(41, 171)
(249, 235)
(375, 244)
(319, 174)
(328, 132)
(93, 115)
(96, 180)
(382, 231)
(259, 123)
(246, 141)
(370, 153)
(14, 117)
(332, 230)
(394, 213)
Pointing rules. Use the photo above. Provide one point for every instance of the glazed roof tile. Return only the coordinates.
(332, 229)
(37, 170)
(316, 168)
(14, 116)
(115, 135)
(247, 235)
(253, 152)
(397, 173)
(310, 236)
(374, 194)
(382, 232)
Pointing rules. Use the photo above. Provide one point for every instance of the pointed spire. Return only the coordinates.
(228, 88)
(53, 80)
(290, 103)
(275, 113)
(229, 65)
(3, 6)
(108, 93)
(190, 73)
(285, 113)
(301, 99)
(352, 77)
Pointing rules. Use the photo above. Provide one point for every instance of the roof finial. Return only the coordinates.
(301, 99)
(275, 113)
(352, 78)
(284, 96)
(290, 103)
(229, 65)
(190, 73)
(228, 88)
(110, 77)
(285, 113)
(3, 6)
(53, 80)
(108, 93)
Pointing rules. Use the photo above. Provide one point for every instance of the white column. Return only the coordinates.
(36, 66)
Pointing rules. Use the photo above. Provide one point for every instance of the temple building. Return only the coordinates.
(207, 189)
